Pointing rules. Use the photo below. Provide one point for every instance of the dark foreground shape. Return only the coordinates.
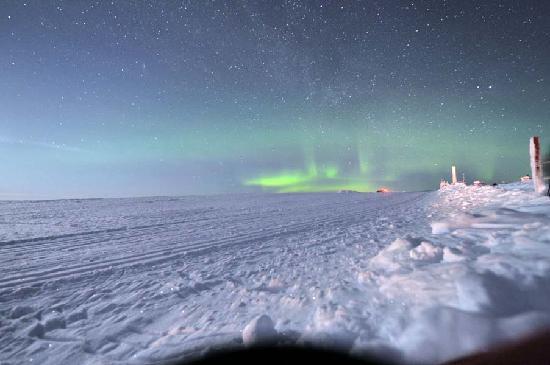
(282, 355)
(534, 350)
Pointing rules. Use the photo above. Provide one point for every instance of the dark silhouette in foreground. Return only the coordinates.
(282, 355)
(533, 350)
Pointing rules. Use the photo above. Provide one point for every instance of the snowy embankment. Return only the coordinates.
(482, 278)
(417, 277)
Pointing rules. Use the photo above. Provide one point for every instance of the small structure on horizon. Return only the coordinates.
(526, 179)
(453, 175)
(454, 180)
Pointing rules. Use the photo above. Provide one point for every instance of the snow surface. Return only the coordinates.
(417, 277)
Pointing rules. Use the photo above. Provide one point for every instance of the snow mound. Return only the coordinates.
(426, 252)
(260, 330)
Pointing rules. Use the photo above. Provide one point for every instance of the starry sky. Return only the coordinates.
(135, 98)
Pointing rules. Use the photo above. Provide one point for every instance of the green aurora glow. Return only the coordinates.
(267, 97)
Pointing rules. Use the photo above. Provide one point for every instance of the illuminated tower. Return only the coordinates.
(454, 180)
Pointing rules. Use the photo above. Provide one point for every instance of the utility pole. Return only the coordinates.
(536, 164)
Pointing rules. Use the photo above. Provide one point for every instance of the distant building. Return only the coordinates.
(454, 180)
(526, 179)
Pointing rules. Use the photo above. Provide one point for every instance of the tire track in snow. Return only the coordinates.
(146, 257)
(60, 240)
(359, 212)
(127, 238)
(124, 236)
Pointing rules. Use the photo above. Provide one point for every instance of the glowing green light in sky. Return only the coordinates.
(314, 179)
(331, 172)
(281, 180)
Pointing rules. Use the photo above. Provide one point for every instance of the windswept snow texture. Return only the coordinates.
(417, 277)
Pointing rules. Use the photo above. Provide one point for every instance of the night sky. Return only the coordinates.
(133, 98)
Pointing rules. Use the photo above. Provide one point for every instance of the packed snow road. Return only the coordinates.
(139, 280)
(415, 277)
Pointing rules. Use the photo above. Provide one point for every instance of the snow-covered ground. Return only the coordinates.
(420, 277)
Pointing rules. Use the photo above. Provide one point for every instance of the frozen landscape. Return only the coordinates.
(417, 277)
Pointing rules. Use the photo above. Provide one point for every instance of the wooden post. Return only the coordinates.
(536, 165)
(454, 180)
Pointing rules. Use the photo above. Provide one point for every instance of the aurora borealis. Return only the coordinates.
(126, 98)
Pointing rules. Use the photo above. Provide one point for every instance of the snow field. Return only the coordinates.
(141, 280)
(416, 277)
